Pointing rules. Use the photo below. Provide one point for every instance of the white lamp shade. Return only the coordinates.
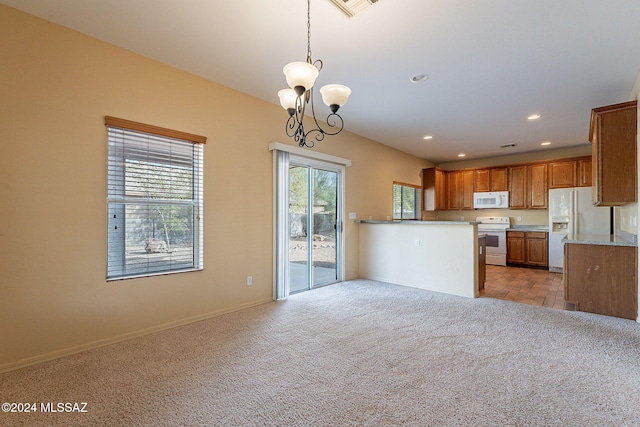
(335, 94)
(287, 98)
(300, 74)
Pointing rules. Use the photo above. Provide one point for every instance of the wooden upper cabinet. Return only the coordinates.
(494, 179)
(518, 187)
(433, 185)
(499, 179)
(482, 180)
(460, 189)
(453, 190)
(467, 189)
(562, 174)
(613, 133)
(538, 188)
(583, 172)
(528, 186)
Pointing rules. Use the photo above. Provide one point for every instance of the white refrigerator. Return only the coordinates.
(571, 211)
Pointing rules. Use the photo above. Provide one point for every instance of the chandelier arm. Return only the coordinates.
(334, 121)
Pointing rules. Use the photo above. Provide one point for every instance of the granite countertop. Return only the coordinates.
(373, 221)
(602, 239)
(544, 228)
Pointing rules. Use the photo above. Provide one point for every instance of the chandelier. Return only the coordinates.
(301, 77)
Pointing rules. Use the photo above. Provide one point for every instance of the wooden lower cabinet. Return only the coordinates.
(602, 279)
(515, 247)
(528, 248)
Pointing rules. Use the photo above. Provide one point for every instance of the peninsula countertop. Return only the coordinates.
(414, 222)
(601, 239)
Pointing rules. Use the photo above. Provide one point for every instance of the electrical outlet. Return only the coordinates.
(249, 280)
(519, 219)
(417, 243)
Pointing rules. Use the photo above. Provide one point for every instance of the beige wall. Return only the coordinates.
(57, 86)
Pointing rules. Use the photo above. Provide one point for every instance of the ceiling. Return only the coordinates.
(491, 63)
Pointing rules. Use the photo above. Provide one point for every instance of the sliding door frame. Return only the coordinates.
(284, 156)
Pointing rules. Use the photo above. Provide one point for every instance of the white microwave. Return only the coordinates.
(491, 200)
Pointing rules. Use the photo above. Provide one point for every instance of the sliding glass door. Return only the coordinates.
(313, 227)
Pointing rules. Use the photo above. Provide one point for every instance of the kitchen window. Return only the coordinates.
(154, 200)
(407, 201)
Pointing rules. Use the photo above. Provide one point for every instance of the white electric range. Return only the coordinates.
(495, 227)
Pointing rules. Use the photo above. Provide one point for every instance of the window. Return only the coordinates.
(407, 201)
(154, 200)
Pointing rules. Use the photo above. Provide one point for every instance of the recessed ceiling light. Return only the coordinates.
(461, 155)
(534, 117)
(545, 143)
(427, 137)
(420, 78)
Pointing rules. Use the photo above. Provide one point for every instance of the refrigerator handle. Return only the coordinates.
(574, 212)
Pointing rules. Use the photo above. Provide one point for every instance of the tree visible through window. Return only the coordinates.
(154, 201)
(407, 201)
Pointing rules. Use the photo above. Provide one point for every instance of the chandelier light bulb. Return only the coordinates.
(300, 74)
(288, 99)
(335, 95)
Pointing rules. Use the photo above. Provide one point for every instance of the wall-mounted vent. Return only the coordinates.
(352, 7)
(508, 145)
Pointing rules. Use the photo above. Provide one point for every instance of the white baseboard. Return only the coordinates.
(119, 338)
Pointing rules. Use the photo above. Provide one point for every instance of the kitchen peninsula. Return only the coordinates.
(601, 274)
(439, 256)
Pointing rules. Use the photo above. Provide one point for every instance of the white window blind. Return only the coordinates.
(407, 201)
(154, 197)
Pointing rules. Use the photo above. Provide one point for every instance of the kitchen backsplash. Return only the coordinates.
(518, 217)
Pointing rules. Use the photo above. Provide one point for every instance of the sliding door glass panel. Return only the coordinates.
(299, 255)
(323, 242)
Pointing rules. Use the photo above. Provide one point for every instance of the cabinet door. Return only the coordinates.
(454, 200)
(602, 279)
(562, 174)
(467, 189)
(584, 172)
(613, 135)
(538, 187)
(517, 187)
(433, 187)
(515, 247)
(536, 249)
(441, 190)
(499, 181)
(482, 180)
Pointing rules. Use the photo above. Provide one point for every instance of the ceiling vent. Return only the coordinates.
(508, 145)
(352, 7)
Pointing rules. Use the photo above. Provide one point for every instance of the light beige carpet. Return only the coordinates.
(359, 353)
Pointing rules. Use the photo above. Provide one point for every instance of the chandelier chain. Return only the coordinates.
(309, 60)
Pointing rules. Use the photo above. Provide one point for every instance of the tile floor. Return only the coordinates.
(525, 285)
